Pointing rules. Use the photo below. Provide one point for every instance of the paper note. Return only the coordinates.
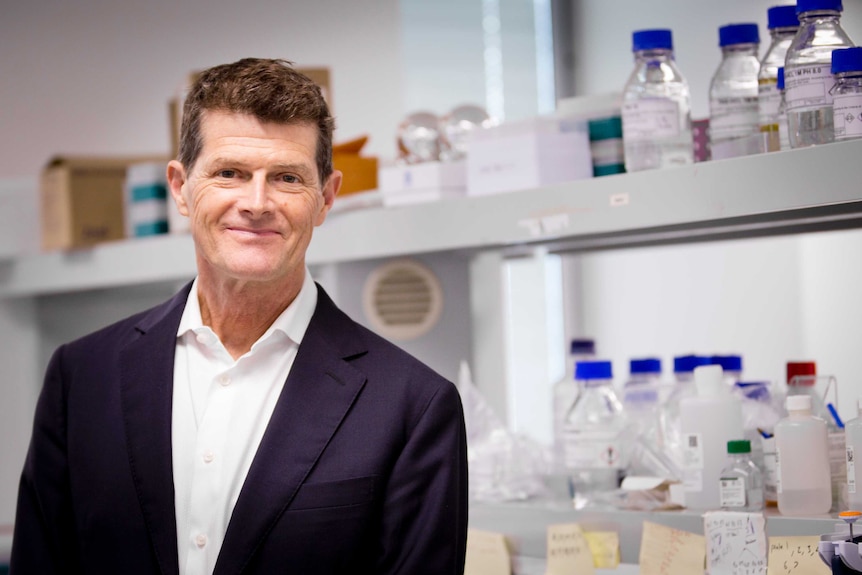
(735, 543)
(568, 551)
(605, 547)
(487, 554)
(668, 551)
(795, 556)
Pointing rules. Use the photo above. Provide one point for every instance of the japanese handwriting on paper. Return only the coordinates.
(568, 551)
(668, 551)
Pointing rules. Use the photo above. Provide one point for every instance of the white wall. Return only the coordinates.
(95, 76)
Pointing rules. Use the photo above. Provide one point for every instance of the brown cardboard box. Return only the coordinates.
(82, 200)
(360, 173)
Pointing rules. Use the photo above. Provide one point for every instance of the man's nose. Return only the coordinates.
(257, 196)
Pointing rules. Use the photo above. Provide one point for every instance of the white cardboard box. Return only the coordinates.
(528, 154)
(424, 176)
(426, 182)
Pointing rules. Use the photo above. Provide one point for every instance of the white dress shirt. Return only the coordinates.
(221, 408)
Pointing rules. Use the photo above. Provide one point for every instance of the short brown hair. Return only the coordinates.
(270, 90)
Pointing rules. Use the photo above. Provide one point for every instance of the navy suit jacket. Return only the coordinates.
(362, 468)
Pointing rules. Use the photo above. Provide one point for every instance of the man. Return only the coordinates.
(246, 425)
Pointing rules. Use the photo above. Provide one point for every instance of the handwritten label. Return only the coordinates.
(487, 554)
(795, 556)
(619, 200)
(735, 543)
(605, 547)
(568, 551)
(668, 551)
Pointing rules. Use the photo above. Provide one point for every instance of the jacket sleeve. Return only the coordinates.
(44, 540)
(425, 505)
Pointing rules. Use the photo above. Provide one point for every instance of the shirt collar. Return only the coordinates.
(292, 322)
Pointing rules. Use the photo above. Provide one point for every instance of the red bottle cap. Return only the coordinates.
(795, 368)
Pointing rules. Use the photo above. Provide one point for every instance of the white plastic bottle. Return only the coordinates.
(594, 451)
(853, 431)
(783, 24)
(802, 450)
(656, 110)
(707, 421)
(566, 391)
(734, 127)
(808, 77)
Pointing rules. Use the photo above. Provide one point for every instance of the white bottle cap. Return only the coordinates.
(708, 379)
(798, 403)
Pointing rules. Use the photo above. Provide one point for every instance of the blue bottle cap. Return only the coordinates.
(593, 370)
(782, 17)
(847, 60)
(733, 34)
(687, 363)
(780, 81)
(582, 346)
(648, 365)
(661, 39)
(727, 362)
(803, 6)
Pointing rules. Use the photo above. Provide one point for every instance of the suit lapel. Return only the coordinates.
(146, 391)
(317, 395)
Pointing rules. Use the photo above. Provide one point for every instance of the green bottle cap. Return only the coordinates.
(739, 446)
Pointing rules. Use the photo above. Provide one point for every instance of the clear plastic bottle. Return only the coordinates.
(853, 431)
(741, 481)
(565, 393)
(783, 135)
(783, 24)
(802, 452)
(734, 126)
(594, 428)
(707, 422)
(808, 72)
(641, 396)
(847, 94)
(656, 106)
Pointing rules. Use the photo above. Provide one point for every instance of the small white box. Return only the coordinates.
(528, 154)
(424, 176)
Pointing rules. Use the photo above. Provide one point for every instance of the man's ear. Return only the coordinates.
(176, 182)
(330, 190)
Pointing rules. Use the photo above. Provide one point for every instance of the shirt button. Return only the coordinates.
(201, 541)
(208, 456)
(224, 380)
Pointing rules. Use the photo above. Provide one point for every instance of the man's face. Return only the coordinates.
(253, 197)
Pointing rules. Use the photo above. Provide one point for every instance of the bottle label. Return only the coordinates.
(733, 117)
(692, 451)
(768, 101)
(592, 450)
(847, 113)
(783, 134)
(732, 491)
(851, 470)
(808, 87)
(692, 480)
(770, 471)
(777, 470)
(650, 119)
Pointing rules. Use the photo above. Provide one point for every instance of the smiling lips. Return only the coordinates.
(253, 232)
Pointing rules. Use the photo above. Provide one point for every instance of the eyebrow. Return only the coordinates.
(300, 168)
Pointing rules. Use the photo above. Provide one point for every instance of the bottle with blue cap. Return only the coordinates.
(565, 392)
(642, 399)
(847, 94)
(594, 431)
(808, 76)
(783, 24)
(656, 110)
(683, 386)
(783, 136)
(734, 126)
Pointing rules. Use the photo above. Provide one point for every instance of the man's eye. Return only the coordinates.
(290, 179)
(227, 173)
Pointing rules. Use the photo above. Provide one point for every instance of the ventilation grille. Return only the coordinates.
(403, 300)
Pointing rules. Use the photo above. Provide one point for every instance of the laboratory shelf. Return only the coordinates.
(769, 194)
(525, 524)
